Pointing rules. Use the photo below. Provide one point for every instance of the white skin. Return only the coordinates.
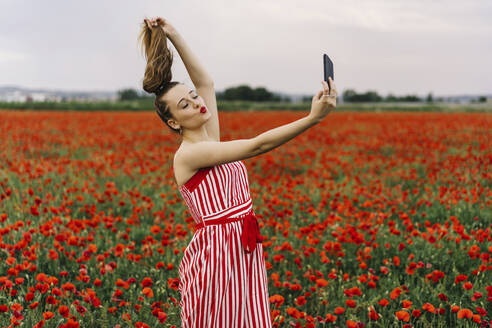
(187, 113)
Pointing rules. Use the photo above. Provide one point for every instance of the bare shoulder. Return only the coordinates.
(209, 153)
(182, 173)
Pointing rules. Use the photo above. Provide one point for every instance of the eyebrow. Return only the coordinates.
(183, 98)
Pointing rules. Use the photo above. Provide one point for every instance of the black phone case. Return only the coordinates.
(328, 69)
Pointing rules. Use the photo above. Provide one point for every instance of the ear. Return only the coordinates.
(173, 124)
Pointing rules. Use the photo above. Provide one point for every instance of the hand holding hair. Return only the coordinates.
(163, 23)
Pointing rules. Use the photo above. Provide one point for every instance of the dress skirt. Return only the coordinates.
(222, 285)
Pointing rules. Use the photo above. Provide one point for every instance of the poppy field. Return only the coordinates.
(379, 219)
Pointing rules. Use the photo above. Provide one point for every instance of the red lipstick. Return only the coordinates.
(203, 110)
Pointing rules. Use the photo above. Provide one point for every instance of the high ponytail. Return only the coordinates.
(158, 75)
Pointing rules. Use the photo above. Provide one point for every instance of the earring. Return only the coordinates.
(180, 130)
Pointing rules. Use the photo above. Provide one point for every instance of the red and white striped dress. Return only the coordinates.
(221, 283)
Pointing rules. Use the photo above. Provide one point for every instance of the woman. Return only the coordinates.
(223, 278)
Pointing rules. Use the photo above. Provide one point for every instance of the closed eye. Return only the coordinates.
(187, 104)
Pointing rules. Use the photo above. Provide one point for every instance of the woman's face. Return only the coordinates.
(185, 106)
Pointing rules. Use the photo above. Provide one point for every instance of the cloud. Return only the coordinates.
(429, 16)
(376, 44)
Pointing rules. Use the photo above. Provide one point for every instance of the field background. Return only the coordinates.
(240, 105)
(373, 219)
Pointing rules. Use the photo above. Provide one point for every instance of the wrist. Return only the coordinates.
(313, 120)
(173, 36)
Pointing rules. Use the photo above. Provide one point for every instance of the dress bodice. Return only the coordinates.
(217, 191)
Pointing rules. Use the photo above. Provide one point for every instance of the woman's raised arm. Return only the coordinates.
(201, 79)
(197, 72)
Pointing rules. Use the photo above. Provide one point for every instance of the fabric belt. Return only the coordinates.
(251, 229)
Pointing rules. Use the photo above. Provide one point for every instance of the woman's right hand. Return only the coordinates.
(168, 28)
(324, 102)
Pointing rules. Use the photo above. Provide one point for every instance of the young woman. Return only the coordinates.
(223, 278)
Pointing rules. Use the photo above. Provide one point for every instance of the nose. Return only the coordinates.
(196, 102)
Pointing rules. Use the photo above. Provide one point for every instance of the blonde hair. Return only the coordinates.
(158, 75)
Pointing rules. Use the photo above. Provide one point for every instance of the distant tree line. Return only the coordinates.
(130, 94)
(246, 93)
(480, 99)
(242, 92)
(351, 95)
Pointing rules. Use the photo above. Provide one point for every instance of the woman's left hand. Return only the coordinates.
(166, 26)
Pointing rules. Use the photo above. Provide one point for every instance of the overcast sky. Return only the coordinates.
(397, 46)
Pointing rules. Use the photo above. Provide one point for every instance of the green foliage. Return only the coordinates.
(128, 94)
(246, 93)
(242, 92)
(351, 95)
(429, 97)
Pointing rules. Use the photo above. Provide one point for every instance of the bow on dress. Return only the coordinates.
(251, 233)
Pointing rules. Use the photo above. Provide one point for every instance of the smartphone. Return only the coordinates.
(328, 68)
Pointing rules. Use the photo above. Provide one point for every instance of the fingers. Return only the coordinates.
(150, 22)
(331, 82)
(333, 88)
(154, 22)
(326, 90)
(325, 86)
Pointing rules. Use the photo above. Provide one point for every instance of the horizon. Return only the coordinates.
(273, 91)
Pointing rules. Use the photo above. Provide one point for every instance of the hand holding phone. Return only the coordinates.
(328, 69)
(324, 101)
